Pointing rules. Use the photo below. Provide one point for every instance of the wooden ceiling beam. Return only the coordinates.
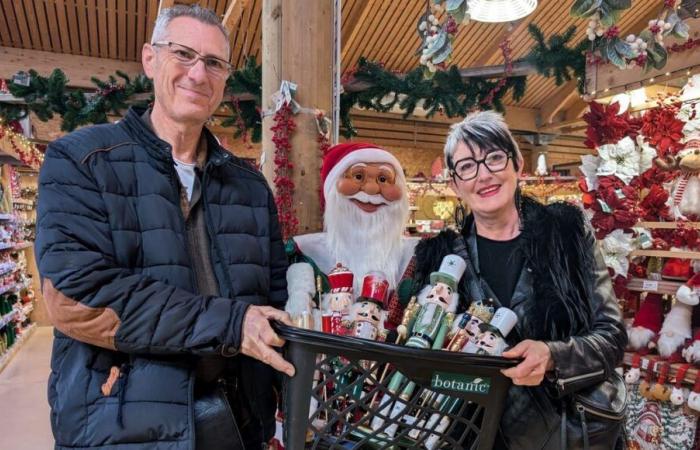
(233, 14)
(79, 69)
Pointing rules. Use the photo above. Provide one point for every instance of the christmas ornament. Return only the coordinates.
(632, 375)
(680, 394)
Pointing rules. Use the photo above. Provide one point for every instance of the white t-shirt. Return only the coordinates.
(187, 176)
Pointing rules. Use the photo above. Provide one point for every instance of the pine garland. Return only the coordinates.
(554, 57)
(446, 92)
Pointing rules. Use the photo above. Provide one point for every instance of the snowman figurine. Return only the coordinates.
(339, 300)
(367, 313)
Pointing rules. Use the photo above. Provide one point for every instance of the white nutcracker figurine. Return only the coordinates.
(492, 340)
(367, 313)
(467, 338)
(337, 303)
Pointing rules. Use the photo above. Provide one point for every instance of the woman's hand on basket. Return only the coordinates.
(537, 359)
(258, 338)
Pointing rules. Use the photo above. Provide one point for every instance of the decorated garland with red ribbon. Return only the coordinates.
(282, 130)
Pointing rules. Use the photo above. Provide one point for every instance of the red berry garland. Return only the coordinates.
(284, 186)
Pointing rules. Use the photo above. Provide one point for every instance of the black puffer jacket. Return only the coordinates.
(563, 297)
(117, 280)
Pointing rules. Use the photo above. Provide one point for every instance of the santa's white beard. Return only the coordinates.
(365, 241)
(675, 330)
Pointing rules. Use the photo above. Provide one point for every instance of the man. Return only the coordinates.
(366, 211)
(162, 263)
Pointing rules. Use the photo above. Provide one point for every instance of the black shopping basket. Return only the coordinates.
(340, 397)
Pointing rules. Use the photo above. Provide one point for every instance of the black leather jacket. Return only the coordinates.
(563, 297)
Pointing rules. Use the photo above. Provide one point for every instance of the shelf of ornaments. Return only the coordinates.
(644, 362)
(21, 340)
(682, 254)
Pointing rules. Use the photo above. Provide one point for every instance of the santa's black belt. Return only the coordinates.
(426, 337)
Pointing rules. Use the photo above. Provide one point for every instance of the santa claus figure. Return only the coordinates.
(366, 210)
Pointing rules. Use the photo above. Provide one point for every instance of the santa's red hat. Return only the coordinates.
(650, 314)
(340, 279)
(341, 157)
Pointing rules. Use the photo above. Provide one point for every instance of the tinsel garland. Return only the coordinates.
(282, 130)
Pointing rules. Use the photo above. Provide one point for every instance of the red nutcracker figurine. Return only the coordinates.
(367, 312)
(339, 301)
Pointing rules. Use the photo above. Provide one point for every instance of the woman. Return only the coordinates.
(539, 261)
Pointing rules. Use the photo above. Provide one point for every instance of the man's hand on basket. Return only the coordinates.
(258, 338)
(537, 359)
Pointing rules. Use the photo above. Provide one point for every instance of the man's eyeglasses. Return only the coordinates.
(188, 57)
(468, 168)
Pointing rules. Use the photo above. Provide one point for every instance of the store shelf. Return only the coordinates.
(12, 351)
(8, 270)
(690, 375)
(666, 254)
(7, 318)
(23, 245)
(6, 217)
(10, 288)
(668, 225)
(21, 201)
(660, 287)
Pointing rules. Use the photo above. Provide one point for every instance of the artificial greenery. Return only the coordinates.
(49, 96)
(554, 57)
(445, 92)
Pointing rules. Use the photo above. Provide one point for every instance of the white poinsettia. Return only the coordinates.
(616, 248)
(621, 159)
(589, 169)
(690, 114)
(647, 153)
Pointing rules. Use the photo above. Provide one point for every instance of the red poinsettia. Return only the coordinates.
(654, 176)
(605, 125)
(654, 207)
(614, 206)
(663, 130)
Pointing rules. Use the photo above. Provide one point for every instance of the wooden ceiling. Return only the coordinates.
(382, 30)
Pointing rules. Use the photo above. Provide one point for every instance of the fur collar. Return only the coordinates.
(558, 251)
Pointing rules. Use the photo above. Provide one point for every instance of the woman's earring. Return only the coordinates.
(460, 215)
(519, 203)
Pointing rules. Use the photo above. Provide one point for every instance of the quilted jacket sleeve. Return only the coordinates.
(585, 360)
(91, 299)
(278, 260)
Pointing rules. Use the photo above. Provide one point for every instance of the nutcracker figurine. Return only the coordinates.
(430, 327)
(338, 301)
(479, 312)
(440, 300)
(492, 338)
(367, 313)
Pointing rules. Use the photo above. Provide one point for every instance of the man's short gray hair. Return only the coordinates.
(485, 130)
(203, 15)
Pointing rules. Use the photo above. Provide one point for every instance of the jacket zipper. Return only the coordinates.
(175, 181)
(596, 412)
(562, 382)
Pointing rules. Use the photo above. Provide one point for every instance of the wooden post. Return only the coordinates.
(298, 47)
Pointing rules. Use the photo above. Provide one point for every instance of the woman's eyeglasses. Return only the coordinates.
(188, 57)
(468, 168)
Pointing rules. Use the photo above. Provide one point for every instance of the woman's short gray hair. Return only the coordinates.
(484, 130)
(203, 15)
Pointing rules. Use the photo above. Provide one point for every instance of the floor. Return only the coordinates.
(25, 411)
